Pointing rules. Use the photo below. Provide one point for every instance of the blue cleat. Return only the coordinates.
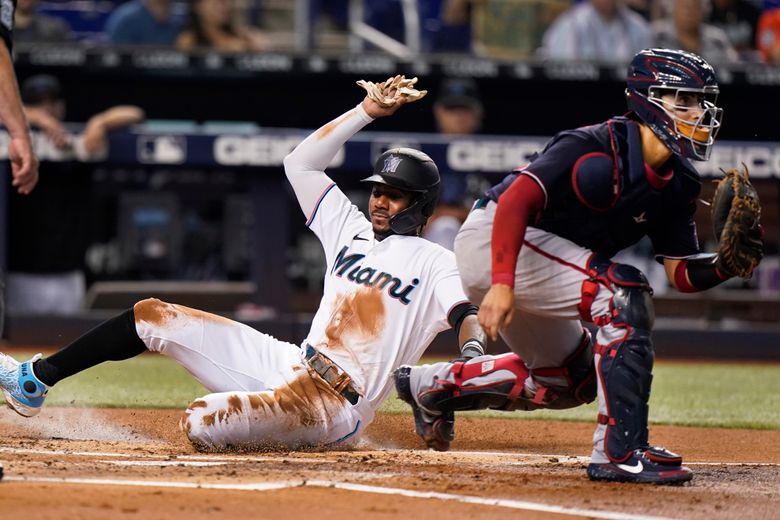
(651, 465)
(23, 392)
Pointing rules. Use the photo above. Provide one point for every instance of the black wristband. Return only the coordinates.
(458, 313)
(704, 274)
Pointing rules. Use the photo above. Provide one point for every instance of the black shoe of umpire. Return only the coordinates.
(437, 431)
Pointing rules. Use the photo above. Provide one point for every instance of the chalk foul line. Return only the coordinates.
(286, 484)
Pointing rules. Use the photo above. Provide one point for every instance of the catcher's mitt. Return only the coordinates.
(736, 212)
(391, 90)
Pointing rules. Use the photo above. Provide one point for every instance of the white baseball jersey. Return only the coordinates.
(383, 301)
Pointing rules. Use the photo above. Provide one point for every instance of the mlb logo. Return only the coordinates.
(162, 149)
(391, 164)
(380, 146)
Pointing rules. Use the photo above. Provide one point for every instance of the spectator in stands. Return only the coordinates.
(329, 23)
(386, 16)
(458, 108)
(458, 111)
(648, 9)
(144, 22)
(768, 36)
(32, 26)
(603, 30)
(211, 26)
(50, 235)
(739, 20)
(446, 25)
(334, 12)
(684, 28)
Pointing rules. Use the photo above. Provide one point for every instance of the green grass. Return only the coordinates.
(685, 394)
(148, 381)
(689, 394)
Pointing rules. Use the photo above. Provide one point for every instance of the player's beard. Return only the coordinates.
(381, 231)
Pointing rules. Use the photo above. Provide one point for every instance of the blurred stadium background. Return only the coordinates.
(191, 204)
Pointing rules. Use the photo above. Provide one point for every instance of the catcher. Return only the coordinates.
(387, 294)
(536, 252)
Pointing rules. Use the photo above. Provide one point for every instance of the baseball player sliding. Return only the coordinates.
(387, 294)
(536, 252)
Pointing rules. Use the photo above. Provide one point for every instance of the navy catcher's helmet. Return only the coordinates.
(409, 170)
(654, 73)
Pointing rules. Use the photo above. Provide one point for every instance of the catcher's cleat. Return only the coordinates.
(24, 393)
(651, 465)
(436, 430)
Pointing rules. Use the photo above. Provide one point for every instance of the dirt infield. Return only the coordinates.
(94, 464)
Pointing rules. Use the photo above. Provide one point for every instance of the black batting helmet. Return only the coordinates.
(409, 170)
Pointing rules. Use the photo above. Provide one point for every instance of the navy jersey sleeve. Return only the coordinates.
(7, 8)
(674, 235)
(557, 160)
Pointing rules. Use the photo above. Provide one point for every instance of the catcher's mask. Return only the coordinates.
(654, 73)
(413, 171)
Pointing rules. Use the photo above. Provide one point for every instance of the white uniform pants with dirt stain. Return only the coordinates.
(265, 394)
(546, 327)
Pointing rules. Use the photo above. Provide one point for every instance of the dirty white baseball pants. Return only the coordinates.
(265, 393)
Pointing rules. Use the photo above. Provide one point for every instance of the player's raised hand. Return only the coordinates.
(497, 309)
(383, 99)
(375, 110)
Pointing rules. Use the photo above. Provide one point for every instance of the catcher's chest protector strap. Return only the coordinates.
(590, 288)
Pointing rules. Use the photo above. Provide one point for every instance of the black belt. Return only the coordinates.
(332, 374)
